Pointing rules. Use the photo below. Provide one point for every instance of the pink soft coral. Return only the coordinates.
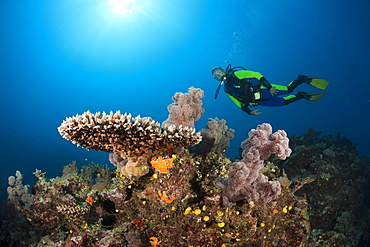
(245, 181)
(186, 108)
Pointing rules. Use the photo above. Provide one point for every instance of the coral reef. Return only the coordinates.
(216, 137)
(179, 208)
(336, 194)
(244, 179)
(134, 139)
(186, 108)
(179, 204)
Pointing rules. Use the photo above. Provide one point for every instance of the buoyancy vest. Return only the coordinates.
(246, 90)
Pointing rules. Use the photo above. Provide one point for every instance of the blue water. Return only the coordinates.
(59, 58)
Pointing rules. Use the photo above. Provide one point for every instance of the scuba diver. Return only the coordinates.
(249, 88)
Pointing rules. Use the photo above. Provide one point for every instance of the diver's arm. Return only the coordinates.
(243, 106)
(265, 83)
(246, 109)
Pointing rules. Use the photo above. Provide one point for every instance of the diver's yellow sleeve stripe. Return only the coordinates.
(241, 74)
(237, 102)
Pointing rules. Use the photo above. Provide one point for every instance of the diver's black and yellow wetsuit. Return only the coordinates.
(249, 88)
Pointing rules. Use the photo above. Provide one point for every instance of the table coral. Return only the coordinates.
(133, 138)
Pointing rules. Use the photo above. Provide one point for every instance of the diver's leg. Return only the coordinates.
(272, 101)
(294, 84)
(294, 97)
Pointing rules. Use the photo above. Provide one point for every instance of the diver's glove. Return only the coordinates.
(255, 112)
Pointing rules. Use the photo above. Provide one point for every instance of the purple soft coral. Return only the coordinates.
(245, 181)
